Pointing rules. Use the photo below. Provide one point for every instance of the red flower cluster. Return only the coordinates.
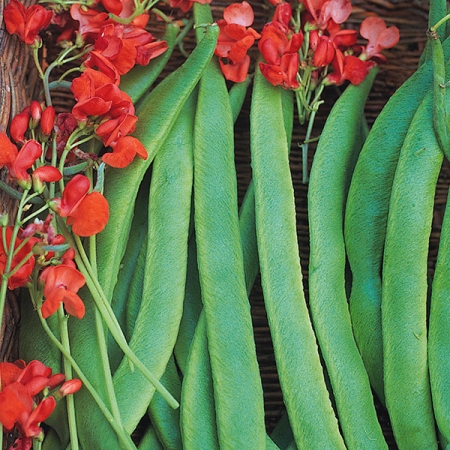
(235, 38)
(101, 101)
(279, 46)
(27, 23)
(329, 52)
(186, 5)
(22, 403)
(61, 281)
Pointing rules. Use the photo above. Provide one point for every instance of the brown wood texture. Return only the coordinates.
(17, 81)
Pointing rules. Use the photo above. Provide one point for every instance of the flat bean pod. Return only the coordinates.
(439, 331)
(158, 320)
(154, 123)
(236, 379)
(405, 285)
(330, 173)
(366, 216)
(301, 376)
(198, 416)
(165, 419)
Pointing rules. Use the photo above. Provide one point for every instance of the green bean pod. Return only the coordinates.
(405, 285)
(150, 440)
(301, 376)
(158, 320)
(157, 113)
(366, 216)
(197, 407)
(164, 418)
(128, 289)
(330, 174)
(439, 331)
(236, 379)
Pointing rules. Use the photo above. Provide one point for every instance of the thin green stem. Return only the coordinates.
(440, 22)
(64, 332)
(108, 315)
(122, 435)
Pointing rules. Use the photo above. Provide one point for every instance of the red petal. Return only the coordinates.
(124, 152)
(74, 192)
(236, 72)
(239, 13)
(39, 414)
(91, 215)
(8, 151)
(15, 404)
(9, 373)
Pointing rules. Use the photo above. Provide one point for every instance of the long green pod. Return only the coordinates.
(165, 419)
(441, 92)
(301, 375)
(139, 80)
(439, 331)
(192, 304)
(405, 285)
(159, 316)
(237, 383)
(197, 407)
(124, 296)
(330, 174)
(157, 113)
(366, 216)
(192, 307)
(150, 440)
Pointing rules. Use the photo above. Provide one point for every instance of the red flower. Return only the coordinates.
(62, 283)
(26, 22)
(21, 405)
(379, 36)
(22, 275)
(235, 38)
(284, 74)
(324, 11)
(279, 47)
(349, 68)
(124, 151)
(48, 120)
(120, 47)
(45, 174)
(88, 213)
(26, 157)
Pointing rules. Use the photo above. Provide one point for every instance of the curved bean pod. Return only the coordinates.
(439, 330)
(237, 383)
(330, 173)
(301, 376)
(366, 216)
(121, 185)
(158, 320)
(405, 285)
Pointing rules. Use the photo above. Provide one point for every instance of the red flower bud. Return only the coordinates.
(48, 120)
(70, 387)
(19, 125)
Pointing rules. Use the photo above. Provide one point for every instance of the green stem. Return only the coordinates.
(107, 313)
(102, 341)
(62, 319)
(121, 434)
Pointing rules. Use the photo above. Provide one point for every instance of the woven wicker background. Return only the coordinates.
(17, 82)
(16, 85)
